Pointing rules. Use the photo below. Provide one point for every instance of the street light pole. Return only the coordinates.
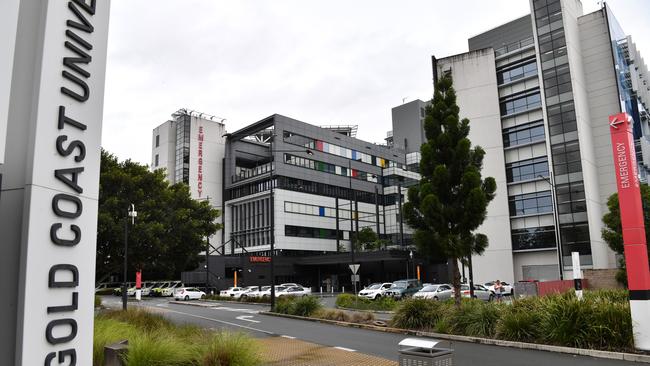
(556, 221)
(132, 214)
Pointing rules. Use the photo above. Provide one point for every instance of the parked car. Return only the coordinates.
(375, 290)
(232, 292)
(480, 292)
(293, 291)
(169, 290)
(507, 288)
(404, 288)
(250, 291)
(157, 290)
(106, 288)
(118, 290)
(435, 292)
(290, 284)
(267, 291)
(188, 293)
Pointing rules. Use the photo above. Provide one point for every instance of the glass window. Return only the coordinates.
(527, 169)
(523, 134)
(533, 238)
(520, 103)
(517, 72)
(531, 203)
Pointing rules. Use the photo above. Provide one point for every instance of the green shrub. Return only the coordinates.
(108, 331)
(306, 306)
(475, 318)
(235, 349)
(301, 306)
(520, 321)
(141, 319)
(98, 301)
(363, 318)
(350, 301)
(417, 314)
(607, 295)
(160, 348)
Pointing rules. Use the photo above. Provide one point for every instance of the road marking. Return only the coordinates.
(345, 349)
(286, 336)
(246, 318)
(235, 310)
(222, 322)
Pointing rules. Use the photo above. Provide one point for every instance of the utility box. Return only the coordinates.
(424, 352)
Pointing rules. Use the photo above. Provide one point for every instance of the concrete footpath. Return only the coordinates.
(283, 351)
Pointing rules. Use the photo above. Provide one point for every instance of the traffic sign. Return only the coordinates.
(354, 278)
(354, 268)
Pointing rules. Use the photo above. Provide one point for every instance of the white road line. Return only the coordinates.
(222, 322)
(345, 349)
(247, 311)
(246, 318)
(286, 336)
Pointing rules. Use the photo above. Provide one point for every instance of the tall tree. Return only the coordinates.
(451, 200)
(612, 232)
(169, 232)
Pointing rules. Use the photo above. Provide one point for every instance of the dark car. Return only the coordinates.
(404, 288)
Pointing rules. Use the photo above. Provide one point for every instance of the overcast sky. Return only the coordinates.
(321, 62)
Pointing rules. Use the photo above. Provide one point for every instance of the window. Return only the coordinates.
(157, 140)
(566, 158)
(533, 238)
(523, 134)
(520, 103)
(517, 72)
(531, 203)
(155, 164)
(311, 232)
(527, 169)
(329, 168)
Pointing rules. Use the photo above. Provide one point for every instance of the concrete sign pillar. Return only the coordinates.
(633, 227)
(50, 187)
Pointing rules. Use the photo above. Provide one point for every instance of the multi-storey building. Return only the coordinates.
(327, 185)
(538, 92)
(191, 147)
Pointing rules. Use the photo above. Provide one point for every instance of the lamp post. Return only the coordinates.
(132, 213)
(556, 222)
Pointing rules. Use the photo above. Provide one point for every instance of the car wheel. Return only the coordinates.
(377, 297)
(202, 296)
(435, 298)
(187, 297)
(491, 298)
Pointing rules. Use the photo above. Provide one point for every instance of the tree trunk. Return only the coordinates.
(455, 281)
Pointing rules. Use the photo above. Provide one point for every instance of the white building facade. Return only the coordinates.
(191, 148)
(538, 92)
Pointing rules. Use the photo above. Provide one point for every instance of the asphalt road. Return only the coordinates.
(245, 317)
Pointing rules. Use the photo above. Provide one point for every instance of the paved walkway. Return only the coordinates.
(292, 352)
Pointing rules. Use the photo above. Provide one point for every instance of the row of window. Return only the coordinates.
(326, 147)
(523, 134)
(517, 72)
(530, 203)
(527, 169)
(329, 168)
(520, 103)
(311, 232)
(324, 211)
(533, 238)
(562, 121)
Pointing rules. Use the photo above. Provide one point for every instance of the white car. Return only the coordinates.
(507, 288)
(266, 291)
(188, 293)
(293, 291)
(232, 292)
(248, 291)
(169, 290)
(375, 290)
(435, 292)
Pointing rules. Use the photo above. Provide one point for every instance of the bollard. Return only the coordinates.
(114, 353)
(343, 289)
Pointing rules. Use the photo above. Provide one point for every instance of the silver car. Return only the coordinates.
(435, 292)
(480, 292)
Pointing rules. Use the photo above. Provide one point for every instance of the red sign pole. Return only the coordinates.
(138, 280)
(634, 240)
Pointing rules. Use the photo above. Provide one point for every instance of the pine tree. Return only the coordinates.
(451, 200)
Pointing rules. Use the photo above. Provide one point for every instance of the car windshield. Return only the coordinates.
(432, 288)
(266, 288)
(376, 286)
(399, 284)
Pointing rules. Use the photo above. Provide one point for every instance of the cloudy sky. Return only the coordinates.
(321, 62)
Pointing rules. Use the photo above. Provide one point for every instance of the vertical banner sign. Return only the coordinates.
(634, 240)
(57, 264)
(199, 178)
(138, 280)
